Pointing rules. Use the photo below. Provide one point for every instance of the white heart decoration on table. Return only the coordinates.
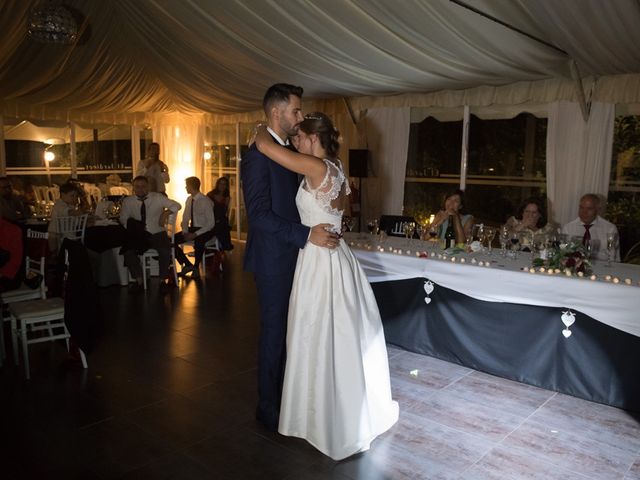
(427, 300)
(428, 287)
(568, 318)
(567, 333)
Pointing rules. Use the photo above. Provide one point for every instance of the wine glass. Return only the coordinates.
(409, 228)
(420, 228)
(372, 226)
(504, 239)
(433, 234)
(515, 243)
(612, 240)
(489, 235)
(348, 222)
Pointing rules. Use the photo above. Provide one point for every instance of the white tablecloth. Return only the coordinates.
(617, 305)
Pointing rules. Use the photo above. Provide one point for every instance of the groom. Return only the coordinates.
(275, 236)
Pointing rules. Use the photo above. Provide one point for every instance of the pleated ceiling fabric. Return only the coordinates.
(137, 59)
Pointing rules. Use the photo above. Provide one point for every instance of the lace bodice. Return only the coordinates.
(323, 204)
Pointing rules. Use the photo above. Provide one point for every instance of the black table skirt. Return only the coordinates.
(519, 342)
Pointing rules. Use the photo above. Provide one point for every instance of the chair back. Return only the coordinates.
(52, 193)
(393, 225)
(118, 190)
(72, 227)
(36, 253)
(94, 193)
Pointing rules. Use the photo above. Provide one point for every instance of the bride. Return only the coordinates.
(336, 393)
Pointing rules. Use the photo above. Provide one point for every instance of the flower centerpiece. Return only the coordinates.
(570, 258)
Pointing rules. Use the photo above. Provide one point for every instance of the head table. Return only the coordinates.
(494, 313)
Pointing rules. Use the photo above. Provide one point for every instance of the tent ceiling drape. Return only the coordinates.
(152, 56)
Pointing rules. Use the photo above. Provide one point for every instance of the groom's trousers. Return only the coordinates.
(273, 295)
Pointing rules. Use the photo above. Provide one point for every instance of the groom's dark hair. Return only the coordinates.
(280, 92)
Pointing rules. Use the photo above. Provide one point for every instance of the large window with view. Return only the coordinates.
(505, 165)
(623, 206)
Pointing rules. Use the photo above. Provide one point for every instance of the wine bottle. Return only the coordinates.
(450, 234)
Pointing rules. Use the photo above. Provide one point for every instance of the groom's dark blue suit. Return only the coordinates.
(274, 239)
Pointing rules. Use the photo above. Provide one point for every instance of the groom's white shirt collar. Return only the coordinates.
(278, 139)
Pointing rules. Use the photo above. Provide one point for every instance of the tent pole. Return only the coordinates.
(585, 107)
(72, 145)
(464, 151)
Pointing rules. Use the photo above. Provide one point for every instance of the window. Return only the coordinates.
(623, 206)
(505, 165)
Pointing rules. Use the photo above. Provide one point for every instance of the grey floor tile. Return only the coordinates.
(570, 450)
(464, 414)
(512, 464)
(606, 424)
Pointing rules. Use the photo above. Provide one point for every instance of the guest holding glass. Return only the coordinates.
(593, 230)
(453, 209)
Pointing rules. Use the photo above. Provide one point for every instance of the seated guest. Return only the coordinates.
(531, 217)
(453, 206)
(12, 207)
(144, 215)
(10, 256)
(197, 226)
(221, 197)
(592, 228)
(66, 206)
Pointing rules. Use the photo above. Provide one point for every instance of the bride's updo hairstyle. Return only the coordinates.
(318, 123)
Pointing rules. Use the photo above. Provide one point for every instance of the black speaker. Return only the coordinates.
(358, 163)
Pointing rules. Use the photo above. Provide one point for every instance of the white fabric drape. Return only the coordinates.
(182, 148)
(578, 155)
(387, 132)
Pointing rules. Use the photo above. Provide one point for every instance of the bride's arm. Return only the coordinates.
(307, 165)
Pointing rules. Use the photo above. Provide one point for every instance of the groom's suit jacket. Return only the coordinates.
(275, 232)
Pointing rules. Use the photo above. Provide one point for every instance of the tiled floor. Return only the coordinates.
(170, 393)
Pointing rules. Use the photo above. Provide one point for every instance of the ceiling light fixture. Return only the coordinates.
(52, 24)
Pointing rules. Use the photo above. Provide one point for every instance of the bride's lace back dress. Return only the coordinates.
(337, 393)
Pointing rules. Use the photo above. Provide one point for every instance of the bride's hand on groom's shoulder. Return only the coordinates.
(254, 133)
(321, 237)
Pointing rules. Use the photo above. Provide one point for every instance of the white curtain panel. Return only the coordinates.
(578, 156)
(387, 132)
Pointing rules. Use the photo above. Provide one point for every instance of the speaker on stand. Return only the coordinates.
(358, 167)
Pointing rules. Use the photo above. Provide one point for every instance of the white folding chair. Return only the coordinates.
(147, 257)
(118, 191)
(34, 266)
(94, 193)
(211, 249)
(45, 318)
(72, 227)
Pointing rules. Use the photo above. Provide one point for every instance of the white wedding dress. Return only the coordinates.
(337, 393)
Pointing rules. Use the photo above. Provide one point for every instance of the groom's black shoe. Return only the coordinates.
(268, 421)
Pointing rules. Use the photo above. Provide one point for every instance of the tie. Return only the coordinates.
(586, 239)
(143, 212)
(191, 224)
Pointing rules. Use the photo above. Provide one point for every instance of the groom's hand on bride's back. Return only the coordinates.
(321, 237)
